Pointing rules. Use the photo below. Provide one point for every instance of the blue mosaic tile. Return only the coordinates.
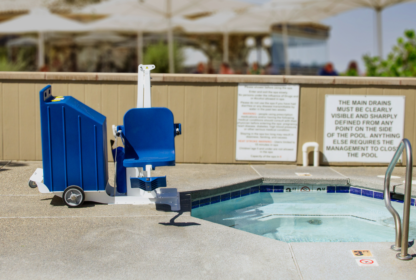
(266, 188)
(367, 193)
(254, 189)
(245, 192)
(330, 189)
(379, 195)
(278, 188)
(195, 204)
(205, 201)
(215, 199)
(355, 190)
(342, 189)
(412, 202)
(225, 197)
(235, 194)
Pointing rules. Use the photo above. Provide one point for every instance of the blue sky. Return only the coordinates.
(353, 33)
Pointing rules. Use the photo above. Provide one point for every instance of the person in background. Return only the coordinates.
(226, 69)
(328, 70)
(210, 68)
(271, 70)
(200, 69)
(45, 67)
(255, 70)
(352, 69)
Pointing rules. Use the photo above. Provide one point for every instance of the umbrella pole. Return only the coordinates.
(379, 33)
(285, 48)
(225, 47)
(140, 47)
(258, 43)
(41, 50)
(170, 37)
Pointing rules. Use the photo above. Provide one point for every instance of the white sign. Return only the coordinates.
(362, 128)
(267, 122)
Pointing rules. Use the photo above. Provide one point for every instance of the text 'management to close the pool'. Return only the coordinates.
(267, 122)
(362, 128)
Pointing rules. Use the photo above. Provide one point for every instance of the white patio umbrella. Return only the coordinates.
(22, 5)
(39, 21)
(22, 41)
(130, 23)
(378, 6)
(99, 37)
(295, 11)
(227, 22)
(164, 10)
(260, 19)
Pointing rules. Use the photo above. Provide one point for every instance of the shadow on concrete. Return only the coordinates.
(57, 201)
(173, 223)
(6, 165)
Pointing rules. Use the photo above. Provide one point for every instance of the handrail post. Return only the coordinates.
(402, 242)
(404, 255)
(387, 200)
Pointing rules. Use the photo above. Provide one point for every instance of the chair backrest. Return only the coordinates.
(149, 133)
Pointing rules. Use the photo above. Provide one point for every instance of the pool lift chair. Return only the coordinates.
(77, 170)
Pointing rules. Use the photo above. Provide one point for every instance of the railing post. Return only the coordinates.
(402, 242)
(404, 255)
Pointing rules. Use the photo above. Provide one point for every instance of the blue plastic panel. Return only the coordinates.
(74, 144)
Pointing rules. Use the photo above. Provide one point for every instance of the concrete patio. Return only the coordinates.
(41, 238)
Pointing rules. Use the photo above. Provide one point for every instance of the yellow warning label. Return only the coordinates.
(362, 253)
(58, 98)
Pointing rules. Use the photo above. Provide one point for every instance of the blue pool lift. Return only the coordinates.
(74, 151)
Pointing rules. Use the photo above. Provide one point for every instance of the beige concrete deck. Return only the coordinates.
(43, 239)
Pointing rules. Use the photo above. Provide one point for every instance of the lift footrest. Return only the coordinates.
(148, 183)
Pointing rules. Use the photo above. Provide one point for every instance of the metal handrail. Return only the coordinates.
(402, 243)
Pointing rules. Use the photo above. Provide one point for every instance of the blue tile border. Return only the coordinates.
(368, 193)
(281, 189)
(235, 194)
(225, 197)
(330, 189)
(266, 188)
(254, 189)
(215, 199)
(397, 200)
(278, 188)
(379, 195)
(205, 201)
(245, 192)
(355, 191)
(342, 189)
(195, 204)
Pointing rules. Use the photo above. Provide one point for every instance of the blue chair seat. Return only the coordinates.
(149, 137)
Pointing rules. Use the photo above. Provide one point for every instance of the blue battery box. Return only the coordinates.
(74, 144)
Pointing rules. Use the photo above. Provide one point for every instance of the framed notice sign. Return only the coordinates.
(267, 122)
(362, 128)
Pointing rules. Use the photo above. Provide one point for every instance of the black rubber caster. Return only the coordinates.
(73, 196)
(33, 184)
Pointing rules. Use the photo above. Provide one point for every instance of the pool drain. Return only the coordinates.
(315, 222)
